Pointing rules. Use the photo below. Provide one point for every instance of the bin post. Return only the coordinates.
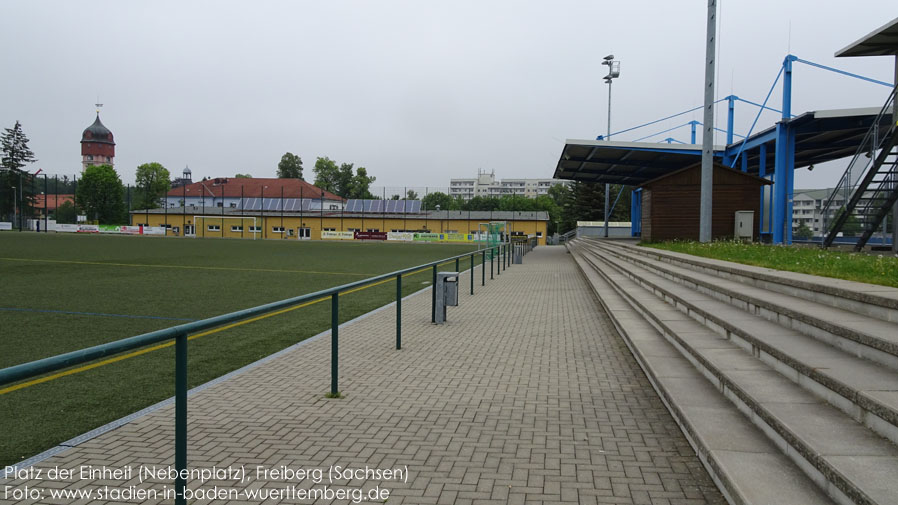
(433, 297)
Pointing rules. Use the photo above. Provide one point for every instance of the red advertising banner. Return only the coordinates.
(370, 235)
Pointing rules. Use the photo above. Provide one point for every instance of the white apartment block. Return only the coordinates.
(807, 208)
(486, 185)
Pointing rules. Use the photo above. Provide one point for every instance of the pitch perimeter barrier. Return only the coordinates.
(180, 333)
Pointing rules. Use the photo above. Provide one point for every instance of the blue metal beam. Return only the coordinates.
(836, 70)
(751, 143)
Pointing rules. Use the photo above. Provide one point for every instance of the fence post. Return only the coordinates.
(181, 417)
(398, 311)
(492, 263)
(335, 323)
(472, 273)
(456, 264)
(483, 268)
(433, 296)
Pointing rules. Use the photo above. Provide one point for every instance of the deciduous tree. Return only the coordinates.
(153, 182)
(100, 193)
(290, 166)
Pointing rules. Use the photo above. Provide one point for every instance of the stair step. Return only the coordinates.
(880, 302)
(874, 339)
(829, 372)
(839, 454)
(736, 453)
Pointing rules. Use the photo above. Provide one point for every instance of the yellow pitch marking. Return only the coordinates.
(188, 267)
(140, 352)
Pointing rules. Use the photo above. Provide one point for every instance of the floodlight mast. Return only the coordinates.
(707, 182)
(613, 73)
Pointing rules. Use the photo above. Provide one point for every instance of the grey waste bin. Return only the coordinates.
(518, 256)
(446, 294)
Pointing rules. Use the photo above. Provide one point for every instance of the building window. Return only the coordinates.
(255, 229)
(108, 159)
(353, 229)
(330, 229)
(334, 207)
(374, 230)
(237, 228)
(213, 227)
(277, 229)
(539, 234)
(233, 205)
(219, 204)
(90, 157)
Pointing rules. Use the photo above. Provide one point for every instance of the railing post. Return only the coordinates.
(335, 323)
(181, 418)
(456, 264)
(483, 268)
(492, 263)
(472, 273)
(398, 311)
(433, 296)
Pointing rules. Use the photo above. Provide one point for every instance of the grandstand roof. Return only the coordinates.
(235, 187)
(821, 136)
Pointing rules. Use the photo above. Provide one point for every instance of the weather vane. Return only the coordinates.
(98, 105)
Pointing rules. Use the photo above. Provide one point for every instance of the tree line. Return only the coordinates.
(101, 195)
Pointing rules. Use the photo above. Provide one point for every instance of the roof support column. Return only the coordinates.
(762, 172)
(895, 209)
(783, 164)
(704, 232)
(731, 110)
(790, 182)
(779, 183)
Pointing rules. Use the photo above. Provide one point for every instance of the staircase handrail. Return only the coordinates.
(845, 181)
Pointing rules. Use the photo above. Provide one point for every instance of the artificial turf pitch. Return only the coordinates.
(60, 293)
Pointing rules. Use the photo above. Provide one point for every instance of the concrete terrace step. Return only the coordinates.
(876, 301)
(746, 466)
(866, 391)
(847, 460)
(851, 331)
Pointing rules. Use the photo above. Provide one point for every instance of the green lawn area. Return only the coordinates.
(65, 292)
(871, 268)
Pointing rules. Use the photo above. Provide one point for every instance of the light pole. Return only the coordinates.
(613, 73)
(15, 215)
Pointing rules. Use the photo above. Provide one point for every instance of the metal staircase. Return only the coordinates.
(869, 187)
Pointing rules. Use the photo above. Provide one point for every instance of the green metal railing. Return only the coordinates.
(180, 333)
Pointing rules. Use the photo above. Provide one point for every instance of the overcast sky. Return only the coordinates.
(416, 91)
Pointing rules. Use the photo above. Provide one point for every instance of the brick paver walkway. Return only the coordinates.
(526, 396)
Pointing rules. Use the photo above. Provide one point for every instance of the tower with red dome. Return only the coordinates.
(97, 145)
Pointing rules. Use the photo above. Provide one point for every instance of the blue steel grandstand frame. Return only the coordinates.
(759, 153)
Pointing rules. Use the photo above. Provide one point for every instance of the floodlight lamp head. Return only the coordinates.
(609, 57)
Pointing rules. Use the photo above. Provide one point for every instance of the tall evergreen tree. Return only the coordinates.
(15, 184)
